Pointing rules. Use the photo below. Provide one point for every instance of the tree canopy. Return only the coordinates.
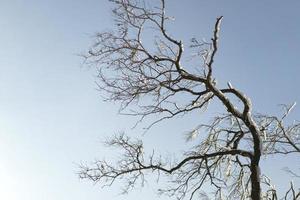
(149, 81)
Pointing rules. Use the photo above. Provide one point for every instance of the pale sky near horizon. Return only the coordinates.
(52, 117)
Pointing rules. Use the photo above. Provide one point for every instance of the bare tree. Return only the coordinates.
(148, 80)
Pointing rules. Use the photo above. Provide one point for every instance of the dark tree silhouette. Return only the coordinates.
(148, 81)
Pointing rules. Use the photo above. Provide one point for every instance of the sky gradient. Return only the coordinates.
(52, 117)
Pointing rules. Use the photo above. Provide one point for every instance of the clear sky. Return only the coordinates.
(52, 117)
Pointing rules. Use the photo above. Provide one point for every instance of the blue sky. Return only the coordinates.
(52, 117)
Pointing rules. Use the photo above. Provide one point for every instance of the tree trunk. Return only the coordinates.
(254, 167)
(255, 180)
